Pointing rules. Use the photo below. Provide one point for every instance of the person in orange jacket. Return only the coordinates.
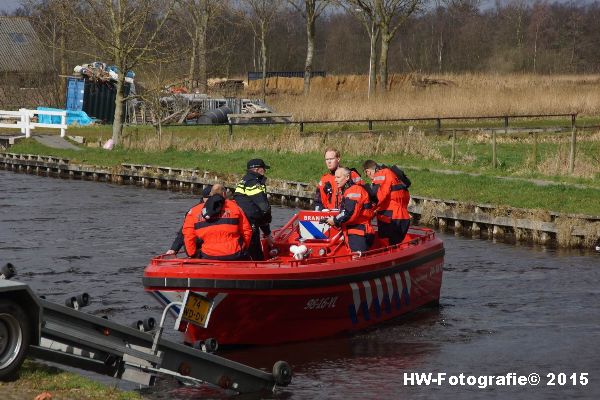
(219, 227)
(178, 241)
(355, 212)
(393, 219)
(327, 195)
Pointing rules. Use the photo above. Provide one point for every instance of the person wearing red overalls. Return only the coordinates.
(393, 219)
(355, 212)
(217, 229)
(327, 196)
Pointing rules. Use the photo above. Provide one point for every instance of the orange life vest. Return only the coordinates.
(332, 199)
(392, 196)
(225, 236)
(356, 211)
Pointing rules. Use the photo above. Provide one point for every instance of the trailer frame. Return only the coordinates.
(30, 325)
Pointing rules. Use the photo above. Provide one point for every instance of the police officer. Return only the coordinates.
(393, 219)
(355, 212)
(178, 241)
(217, 229)
(327, 195)
(251, 195)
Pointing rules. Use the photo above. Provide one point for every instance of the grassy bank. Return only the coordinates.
(36, 378)
(289, 162)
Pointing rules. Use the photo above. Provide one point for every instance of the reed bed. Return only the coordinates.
(412, 95)
(358, 144)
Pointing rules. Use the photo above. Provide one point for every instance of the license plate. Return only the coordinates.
(196, 309)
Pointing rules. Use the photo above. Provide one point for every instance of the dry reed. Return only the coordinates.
(290, 140)
(344, 97)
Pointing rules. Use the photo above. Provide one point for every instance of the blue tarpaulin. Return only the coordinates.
(73, 117)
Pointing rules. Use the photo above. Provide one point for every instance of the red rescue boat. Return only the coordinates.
(311, 287)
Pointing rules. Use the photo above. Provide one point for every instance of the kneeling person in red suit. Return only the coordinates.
(217, 229)
(355, 212)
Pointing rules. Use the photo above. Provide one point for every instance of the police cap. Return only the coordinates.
(257, 163)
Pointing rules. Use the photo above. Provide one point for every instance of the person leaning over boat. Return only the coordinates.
(217, 229)
(327, 196)
(355, 212)
(393, 219)
(251, 195)
(178, 241)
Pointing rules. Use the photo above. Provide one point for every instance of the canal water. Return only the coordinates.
(504, 308)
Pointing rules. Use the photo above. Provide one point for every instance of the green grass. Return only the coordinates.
(308, 167)
(490, 190)
(37, 378)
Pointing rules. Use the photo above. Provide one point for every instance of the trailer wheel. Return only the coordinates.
(282, 372)
(148, 324)
(15, 336)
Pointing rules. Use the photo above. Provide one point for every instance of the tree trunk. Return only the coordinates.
(192, 72)
(374, 36)
(263, 47)
(202, 70)
(383, 61)
(535, 49)
(117, 130)
(310, 49)
(440, 48)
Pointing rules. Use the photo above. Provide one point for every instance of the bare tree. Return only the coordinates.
(392, 14)
(195, 16)
(365, 11)
(539, 17)
(310, 10)
(262, 14)
(126, 32)
(49, 18)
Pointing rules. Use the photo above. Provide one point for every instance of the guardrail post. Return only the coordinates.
(301, 126)
(230, 132)
(494, 156)
(573, 121)
(506, 124)
(438, 124)
(370, 125)
(63, 122)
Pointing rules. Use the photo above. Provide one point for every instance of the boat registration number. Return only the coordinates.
(196, 309)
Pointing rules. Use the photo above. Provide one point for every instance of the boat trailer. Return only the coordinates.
(30, 325)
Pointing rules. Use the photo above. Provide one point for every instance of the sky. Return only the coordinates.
(9, 5)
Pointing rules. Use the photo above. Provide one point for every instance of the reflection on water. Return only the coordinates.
(504, 308)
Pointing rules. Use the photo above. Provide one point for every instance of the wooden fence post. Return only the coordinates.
(230, 132)
(494, 155)
(572, 154)
(370, 125)
(535, 144)
(453, 156)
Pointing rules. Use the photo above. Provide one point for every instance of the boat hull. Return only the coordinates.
(297, 308)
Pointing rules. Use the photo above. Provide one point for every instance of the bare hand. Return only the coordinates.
(330, 221)
(170, 252)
